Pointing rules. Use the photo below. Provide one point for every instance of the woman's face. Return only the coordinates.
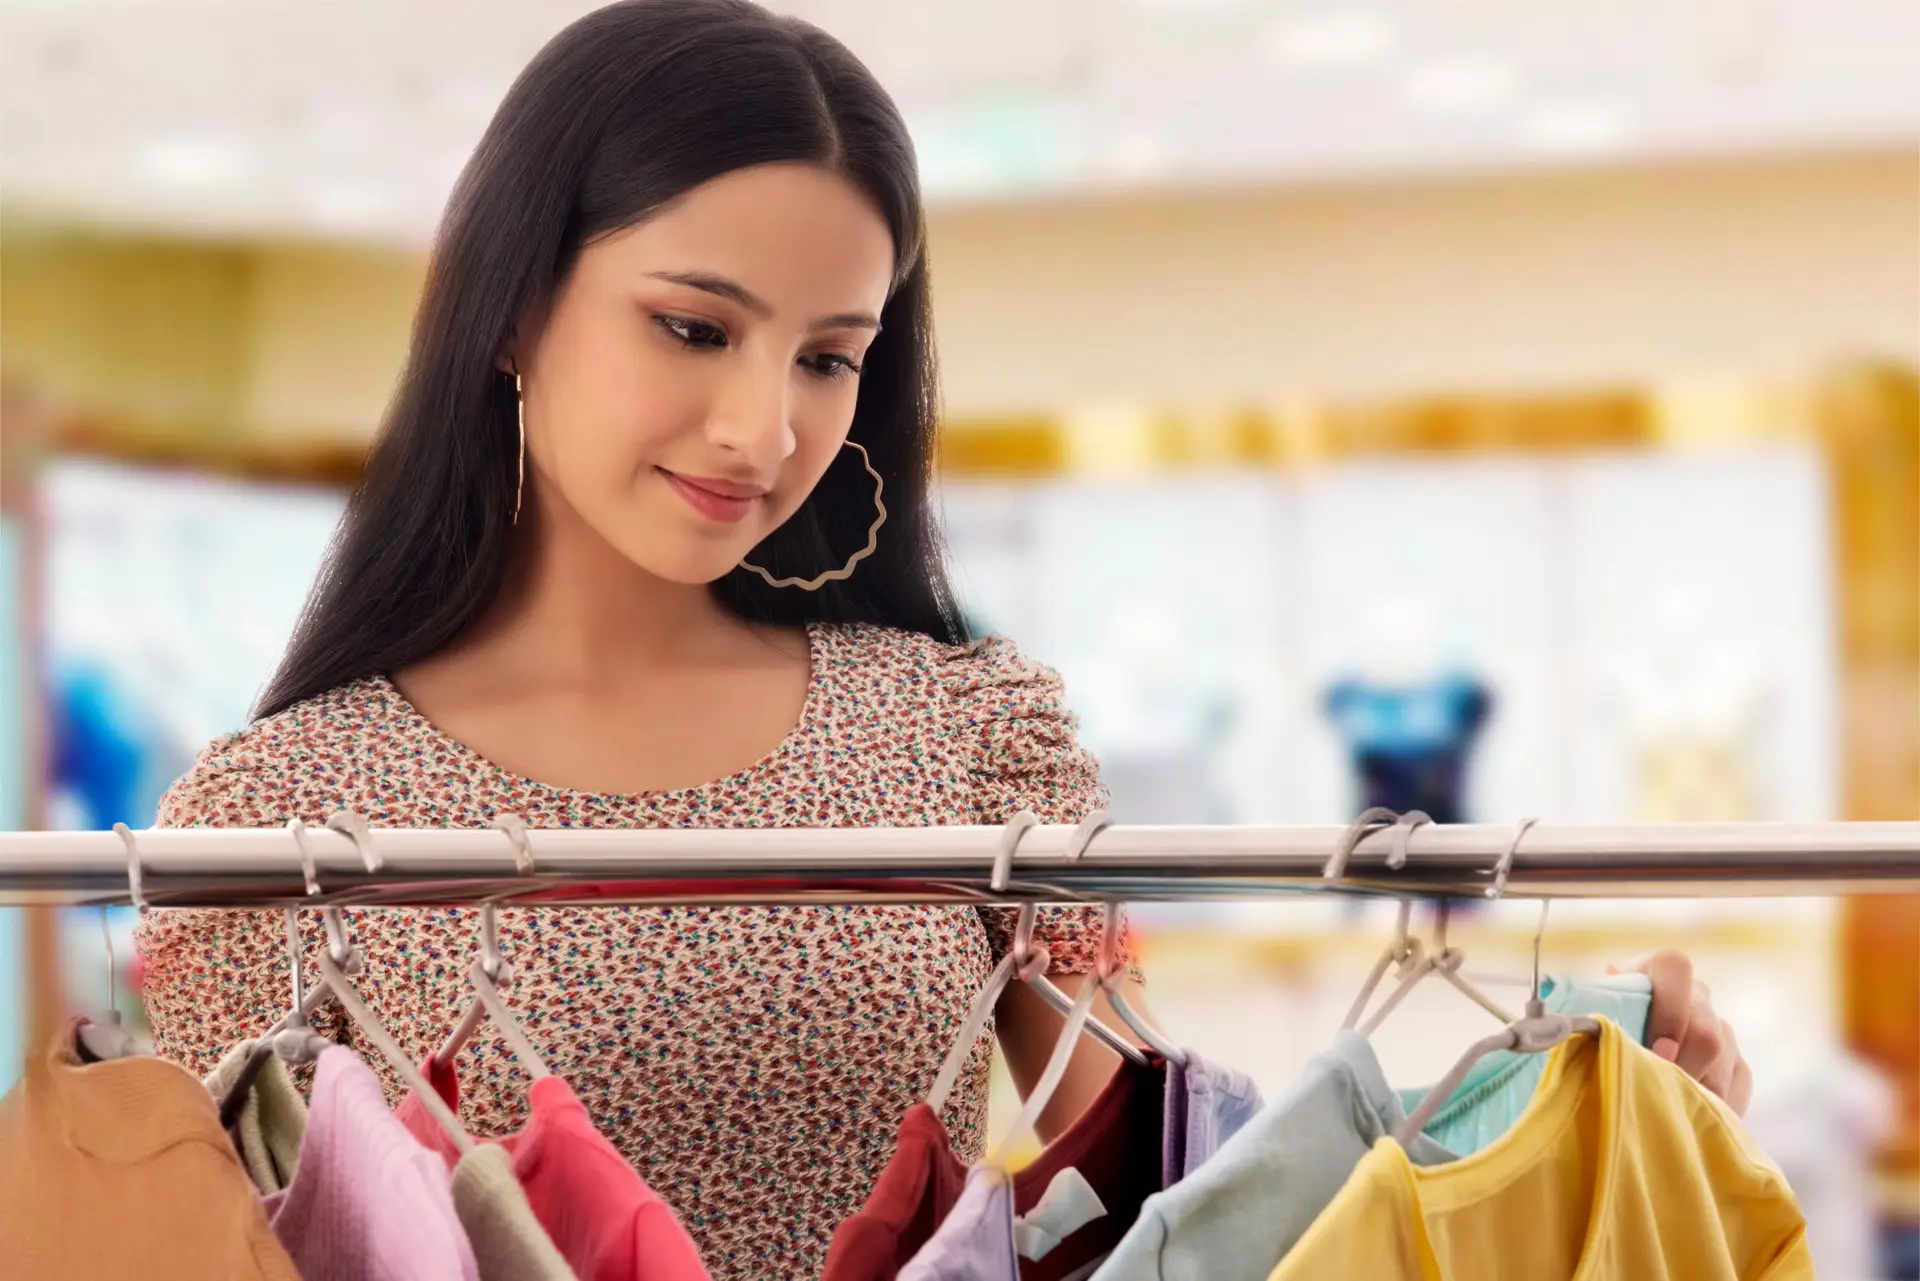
(696, 374)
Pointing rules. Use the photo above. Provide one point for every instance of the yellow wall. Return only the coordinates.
(1756, 269)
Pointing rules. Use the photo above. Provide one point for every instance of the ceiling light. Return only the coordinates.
(1334, 39)
(190, 161)
(1465, 84)
(1579, 128)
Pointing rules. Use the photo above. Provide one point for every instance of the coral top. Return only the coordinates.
(753, 1064)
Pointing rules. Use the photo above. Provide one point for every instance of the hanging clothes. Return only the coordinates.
(1000, 1230)
(366, 1202)
(1117, 1145)
(272, 1121)
(602, 1216)
(508, 1242)
(1207, 1104)
(1624, 1168)
(1233, 1217)
(118, 1169)
(1502, 1084)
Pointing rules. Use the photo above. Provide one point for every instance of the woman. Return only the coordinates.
(620, 558)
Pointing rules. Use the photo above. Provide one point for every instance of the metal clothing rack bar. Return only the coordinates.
(259, 868)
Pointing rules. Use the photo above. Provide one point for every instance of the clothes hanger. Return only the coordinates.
(1415, 962)
(1105, 978)
(292, 1038)
(340, 958)
(491, 973)
(1537, 1032)
(1027, 960)
(1155, 1039)
(1035, 977)
(102, 1039)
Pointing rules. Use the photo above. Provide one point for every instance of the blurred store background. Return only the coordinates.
(1504, 407)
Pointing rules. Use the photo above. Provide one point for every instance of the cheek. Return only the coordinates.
(607, 409)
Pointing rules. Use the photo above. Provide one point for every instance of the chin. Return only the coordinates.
(690, 565)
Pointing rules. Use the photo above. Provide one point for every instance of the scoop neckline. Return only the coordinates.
(811, 710)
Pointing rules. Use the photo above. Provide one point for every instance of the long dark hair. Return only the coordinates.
(619, 114)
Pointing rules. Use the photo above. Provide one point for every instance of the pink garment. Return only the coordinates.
(606, 1221)
(366, 1202)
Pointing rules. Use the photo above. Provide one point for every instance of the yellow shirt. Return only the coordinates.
(1622, 1168)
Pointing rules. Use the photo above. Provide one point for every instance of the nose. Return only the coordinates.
(752, 416)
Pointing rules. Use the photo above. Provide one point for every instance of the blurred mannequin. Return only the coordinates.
(1691, 710)
(1410, 720)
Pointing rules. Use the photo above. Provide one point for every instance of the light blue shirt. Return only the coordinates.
(1240, 1213)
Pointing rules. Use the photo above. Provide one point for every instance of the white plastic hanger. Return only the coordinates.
(1030, 963)
(491, 972)
(292, 1038)
(1538, 1031)
(102, 1039)
(340, 958)
(1414, 962)
(1103, 978)
(1083, 835)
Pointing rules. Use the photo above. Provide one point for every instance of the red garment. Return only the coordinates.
(1116, 1144)
(605, 1220)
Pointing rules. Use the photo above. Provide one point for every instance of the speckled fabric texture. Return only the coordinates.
(753, 1063)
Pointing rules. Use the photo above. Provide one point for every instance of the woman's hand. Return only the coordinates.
(1683, 1028)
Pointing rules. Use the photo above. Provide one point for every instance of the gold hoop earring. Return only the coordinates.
(846, 570)
(520, 466)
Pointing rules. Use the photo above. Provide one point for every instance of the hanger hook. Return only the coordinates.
(1010, 835)
(1357, 831)
(136, 889)
(1504, 867)
(1090, 827)
(298, 830)
(353, 826)
(1027, 958)
(515, 828)
(1403, 834)
(1534, 1006)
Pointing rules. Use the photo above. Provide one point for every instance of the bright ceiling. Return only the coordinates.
(351, 117)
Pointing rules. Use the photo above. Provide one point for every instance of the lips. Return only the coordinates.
(726, 501)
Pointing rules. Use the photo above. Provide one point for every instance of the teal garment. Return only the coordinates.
(1501, 1085)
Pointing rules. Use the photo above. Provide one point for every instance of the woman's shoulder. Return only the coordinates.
(988, 677)
(286, 765)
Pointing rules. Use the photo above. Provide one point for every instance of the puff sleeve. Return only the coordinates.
(1022, 753)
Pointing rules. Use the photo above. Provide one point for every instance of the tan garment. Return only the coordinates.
(118, 1169)
(508, 1242)
(272, 1122)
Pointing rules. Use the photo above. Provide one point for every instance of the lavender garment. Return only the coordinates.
(1216, 1102)
(366, 1202)
(975, 1241)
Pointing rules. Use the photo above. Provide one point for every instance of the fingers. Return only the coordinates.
(1740, 1093)
(1684, 1028)
(1669, 1017)
(1703, 1044)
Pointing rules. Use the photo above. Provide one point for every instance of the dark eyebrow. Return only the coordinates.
(734, 291)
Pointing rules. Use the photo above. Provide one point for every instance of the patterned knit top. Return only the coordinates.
(753, 1063)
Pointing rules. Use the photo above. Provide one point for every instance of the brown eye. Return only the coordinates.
(693, 333)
